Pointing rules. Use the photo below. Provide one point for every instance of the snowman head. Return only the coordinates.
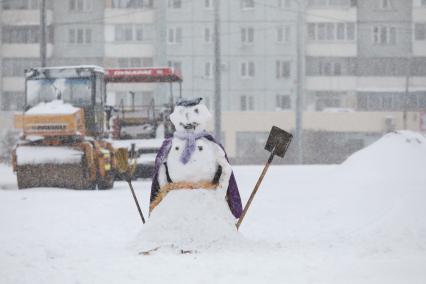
(190, 115)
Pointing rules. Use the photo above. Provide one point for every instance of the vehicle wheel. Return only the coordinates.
(106, 182)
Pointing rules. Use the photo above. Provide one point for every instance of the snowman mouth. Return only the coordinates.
(189, 126)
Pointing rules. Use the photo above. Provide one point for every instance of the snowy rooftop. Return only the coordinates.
(71, 67)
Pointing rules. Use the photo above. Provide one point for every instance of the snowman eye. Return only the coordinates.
(200, 148)
(177, 148)
(196, 110)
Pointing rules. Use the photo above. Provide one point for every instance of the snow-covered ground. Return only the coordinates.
(360, 222)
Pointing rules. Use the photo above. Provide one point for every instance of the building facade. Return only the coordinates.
(365, 62)
(115, 33)
(258, 52)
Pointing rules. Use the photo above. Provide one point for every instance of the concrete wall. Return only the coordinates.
(343, 122)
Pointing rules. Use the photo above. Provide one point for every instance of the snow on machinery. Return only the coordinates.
(144, 126)
(63, 126)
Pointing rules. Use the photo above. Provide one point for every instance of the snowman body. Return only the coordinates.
(192, 217)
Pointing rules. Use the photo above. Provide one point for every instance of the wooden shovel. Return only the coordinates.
(277, 144)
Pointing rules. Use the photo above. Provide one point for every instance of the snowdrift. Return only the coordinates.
(397, 154)
(359, 222)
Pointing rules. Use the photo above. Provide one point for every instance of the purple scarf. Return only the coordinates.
(191, 138)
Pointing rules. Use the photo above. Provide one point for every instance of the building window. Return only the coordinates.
(129, 33)
(328, 3)
(247, 4)
(208, 36)
(282, 69)
(385, 4)
(80, 5)
(331, 31)
(126, 4)
(330, 69)
(327, 100)
(420, 31)
(246, 103)
(177, 65)
(247, 69)
(284, 3)
(88, 36)
(247, 35)
(384, 35)
(282, 102)
(175, 4)
(337, 69)
(24, 34)
(20, 34)
(208, 70)
(283, 34)
(79, 36)
(21, 5)
(174, 35)
(128, 62)
(208, 4)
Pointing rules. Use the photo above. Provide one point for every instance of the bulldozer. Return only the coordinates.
(63, 141)
(142, 128)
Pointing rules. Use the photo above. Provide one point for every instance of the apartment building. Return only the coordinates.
(360, 57)
(131, 41)
(357, 58)
(258, 50)
(258, 57)
(114, 33)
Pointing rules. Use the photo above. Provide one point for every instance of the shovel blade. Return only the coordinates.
(279, 140)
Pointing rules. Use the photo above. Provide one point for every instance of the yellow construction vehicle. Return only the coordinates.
(63, 130)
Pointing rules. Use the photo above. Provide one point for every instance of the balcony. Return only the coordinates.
(331, 14)
(128, 50)
(24, 17)
(330, 83)
(331, 48)
(126, 16)
(22, 50)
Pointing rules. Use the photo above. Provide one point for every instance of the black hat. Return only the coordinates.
(188, 102)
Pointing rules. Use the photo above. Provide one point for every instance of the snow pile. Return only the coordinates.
(397, 154)
(190, 220)
(43, 155)
(53, 107)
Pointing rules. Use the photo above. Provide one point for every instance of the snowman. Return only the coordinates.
(194, 195)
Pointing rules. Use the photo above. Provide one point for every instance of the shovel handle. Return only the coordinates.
(136, 201)
(256, 188)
